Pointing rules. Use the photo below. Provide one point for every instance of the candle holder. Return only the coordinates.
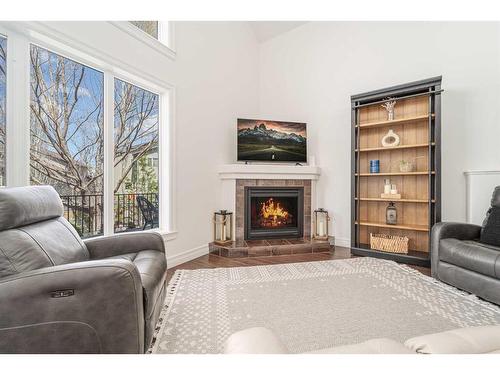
(321, 219)
(223, 227)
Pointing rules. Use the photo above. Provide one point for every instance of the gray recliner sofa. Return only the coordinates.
(459, 259)
(59, 294)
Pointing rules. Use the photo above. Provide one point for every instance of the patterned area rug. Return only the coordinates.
(312, 305)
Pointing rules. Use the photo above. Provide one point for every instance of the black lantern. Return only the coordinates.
(321, 220)
(223, 227)
(391, 214)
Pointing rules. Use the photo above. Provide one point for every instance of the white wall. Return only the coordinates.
(309, 73)
(215, 75)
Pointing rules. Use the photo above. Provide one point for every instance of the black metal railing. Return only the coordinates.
(85, 212)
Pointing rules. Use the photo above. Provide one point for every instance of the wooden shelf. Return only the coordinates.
(394, 174)
(395, 200)
(378, 124)
(403, 147)
(419, 228)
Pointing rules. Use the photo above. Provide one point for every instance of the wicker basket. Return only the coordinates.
(388, 243)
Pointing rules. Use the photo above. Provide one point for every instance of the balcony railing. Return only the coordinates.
(85, 212)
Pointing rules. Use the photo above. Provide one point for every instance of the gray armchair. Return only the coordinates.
(59, 294)
(459, 259)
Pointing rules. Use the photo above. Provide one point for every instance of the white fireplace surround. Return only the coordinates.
(230, 173)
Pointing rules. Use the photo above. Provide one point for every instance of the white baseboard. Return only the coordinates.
(186, 256)
(343, 242)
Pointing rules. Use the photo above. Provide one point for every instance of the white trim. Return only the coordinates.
(469, 173)
(161, 45)
(186, 256)
(109, 157)
(18, 110)
(266, 171)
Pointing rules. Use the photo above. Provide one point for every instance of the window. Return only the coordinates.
(136, 183)
(149, 27)
(3, 94)
(67, 145)
(94, 131)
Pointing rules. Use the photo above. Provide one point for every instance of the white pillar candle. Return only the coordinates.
(321, 229)
(223, 232)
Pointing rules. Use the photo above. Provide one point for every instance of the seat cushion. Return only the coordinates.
(471, 255)
(152, 267)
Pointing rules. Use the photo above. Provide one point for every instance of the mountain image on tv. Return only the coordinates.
(263, 140)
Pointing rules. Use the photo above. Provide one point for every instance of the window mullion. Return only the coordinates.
(18, 112)
(108, 198)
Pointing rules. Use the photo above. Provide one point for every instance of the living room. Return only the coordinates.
(171, 185)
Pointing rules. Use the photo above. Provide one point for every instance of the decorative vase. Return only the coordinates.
(406, 166)
(374, 166)
(391, 139)
(389, 107)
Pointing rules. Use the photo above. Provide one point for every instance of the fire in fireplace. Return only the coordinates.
(273, 212)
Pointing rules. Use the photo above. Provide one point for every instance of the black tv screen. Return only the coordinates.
(264, 140)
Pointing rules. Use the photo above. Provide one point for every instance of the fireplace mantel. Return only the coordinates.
(268, 171)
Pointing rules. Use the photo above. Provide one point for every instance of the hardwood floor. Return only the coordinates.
(215, 261)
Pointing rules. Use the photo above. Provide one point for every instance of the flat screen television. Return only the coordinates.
(265, 140)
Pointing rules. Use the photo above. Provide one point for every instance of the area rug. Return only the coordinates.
(312, 305)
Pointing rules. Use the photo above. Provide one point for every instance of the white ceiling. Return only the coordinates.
(265, 30)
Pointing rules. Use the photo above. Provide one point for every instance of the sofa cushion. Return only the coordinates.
(471, 255)
(490, 233)
(470, 340)
(43, 244)
(151, 265)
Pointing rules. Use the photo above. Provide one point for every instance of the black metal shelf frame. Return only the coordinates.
(429, 87)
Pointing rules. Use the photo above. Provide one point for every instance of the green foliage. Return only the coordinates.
(144, 180)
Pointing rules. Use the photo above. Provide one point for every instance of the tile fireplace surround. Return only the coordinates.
(234, 179)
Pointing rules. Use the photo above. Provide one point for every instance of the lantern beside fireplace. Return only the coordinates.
(321, 219)
(223, 227)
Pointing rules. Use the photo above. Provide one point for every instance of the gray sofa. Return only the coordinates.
(59, 294)
(459, 259)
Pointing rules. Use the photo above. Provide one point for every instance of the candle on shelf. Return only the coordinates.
(387, 186)
(393, 189)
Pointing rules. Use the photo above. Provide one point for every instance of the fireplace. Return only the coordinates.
(274, 212)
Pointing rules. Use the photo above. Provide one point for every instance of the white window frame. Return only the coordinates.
(19, 38)
(2, 35)
(165, 42)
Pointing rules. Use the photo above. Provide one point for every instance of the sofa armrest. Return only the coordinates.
(460, 231)
(85, 307)
(119, 244)
(257, 340)
(470, 340)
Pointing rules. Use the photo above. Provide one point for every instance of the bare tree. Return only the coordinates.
(136, 126)
(66, 123)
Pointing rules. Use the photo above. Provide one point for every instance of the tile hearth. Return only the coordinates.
(259, 248)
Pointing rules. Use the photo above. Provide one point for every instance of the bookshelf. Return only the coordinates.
(417, 122)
